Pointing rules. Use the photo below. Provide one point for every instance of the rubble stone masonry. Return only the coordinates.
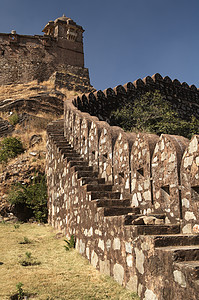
(130, 200)
(54, 55)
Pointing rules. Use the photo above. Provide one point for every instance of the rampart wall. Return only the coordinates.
(184, 98)
(25, 58)
(130, 200)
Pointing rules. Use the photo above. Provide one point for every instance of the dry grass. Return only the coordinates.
(61, 274)
(31, 89)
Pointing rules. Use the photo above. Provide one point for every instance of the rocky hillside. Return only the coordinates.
(25, 111)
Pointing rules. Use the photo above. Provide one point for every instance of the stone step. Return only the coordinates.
(118, 211)
(68, 150)
(71, 159)
(61, 141)
(98, 187)
(61, 144)
(188, 268)
(114, 203)
(182, 253)
(83, 168)
(154, 229)
(128, 219)
(71, 154)
(64, 146)
(104, 195)
(83, 174)
(176, 240)
(74, 159)
(57, 134)
(74, 163)
(86, 180)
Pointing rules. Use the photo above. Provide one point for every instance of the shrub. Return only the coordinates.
(25, 241)
(152, 113)
(70, 243)
(14, 119)
(20, 292)
(28, 260)
(32, 196)
(10, 147)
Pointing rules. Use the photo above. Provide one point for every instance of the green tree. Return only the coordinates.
(10, 147)
(32, 196)
(152, 113)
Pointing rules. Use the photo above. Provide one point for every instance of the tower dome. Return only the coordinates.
(63, 18)
(64, 28)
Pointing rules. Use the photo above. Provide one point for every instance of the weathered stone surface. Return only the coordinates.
(118, 273)
(121, 159)
(94, 136)
(190, 184)
(166, 163)
(183, 98)
(179, 278)
(26, 58)
(141, 173)
(106, 143)
(35, 139)
(152, 257)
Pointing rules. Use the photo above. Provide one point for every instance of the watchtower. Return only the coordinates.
(64, 28)
(25, 58)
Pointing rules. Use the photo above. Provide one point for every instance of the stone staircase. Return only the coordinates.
(183, 252)
(179, 251)
(99, 191)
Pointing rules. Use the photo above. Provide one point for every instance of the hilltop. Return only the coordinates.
(25, 111)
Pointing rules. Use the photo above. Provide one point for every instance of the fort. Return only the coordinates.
(129, 199)
(57, 53)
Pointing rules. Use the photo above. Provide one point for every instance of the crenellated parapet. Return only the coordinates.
(144, 167)
(183, 98)
(130, 199)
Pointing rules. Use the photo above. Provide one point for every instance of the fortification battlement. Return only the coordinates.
(184, 98)
(130, 199)
(147, 168)
(24, 57)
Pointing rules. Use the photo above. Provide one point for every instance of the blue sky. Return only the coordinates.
(123, 40)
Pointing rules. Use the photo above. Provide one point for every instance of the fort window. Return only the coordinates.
(71, 34)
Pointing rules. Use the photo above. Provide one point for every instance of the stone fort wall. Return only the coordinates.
(131, 200)
(58, 53)
(184, 98)
(25, 58)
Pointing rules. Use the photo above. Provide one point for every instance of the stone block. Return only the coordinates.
(121, 162)
(190, 184)
(166, 163)
(106, 143)
(141, 185)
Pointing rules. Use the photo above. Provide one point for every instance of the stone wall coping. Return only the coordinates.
(139, 84)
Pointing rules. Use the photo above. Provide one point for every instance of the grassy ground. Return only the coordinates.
(61, 274)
